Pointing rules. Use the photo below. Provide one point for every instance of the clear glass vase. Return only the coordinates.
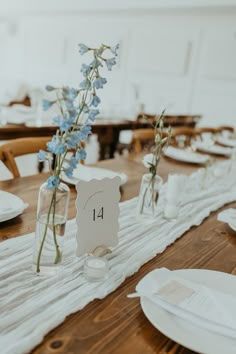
(50, 228)
(148, 196)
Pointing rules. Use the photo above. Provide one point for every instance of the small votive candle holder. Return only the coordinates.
(95, 268)
(171, 212)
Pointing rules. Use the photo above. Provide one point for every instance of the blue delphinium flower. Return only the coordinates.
(85, 85)
(95, 101)
(99, 82)
(73, 139)
(65, 123)
(92, 114)
(69, 93)
(85, 131)
(110, 63)
(115, 49)
(53, 182)
(81, 154)
(47, 104)
(86, 70)
(83, 49)
(42, 155)
(56, 146)
(95, 63)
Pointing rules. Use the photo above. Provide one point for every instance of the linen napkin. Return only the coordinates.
(204, 307)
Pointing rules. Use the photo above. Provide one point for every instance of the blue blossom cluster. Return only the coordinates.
(78, 109)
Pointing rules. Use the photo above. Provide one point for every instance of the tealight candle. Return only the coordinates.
(171, 212)
(95, 268)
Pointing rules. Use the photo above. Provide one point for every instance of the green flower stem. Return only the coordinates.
(45, 234)
(58, 252)
(144, 195)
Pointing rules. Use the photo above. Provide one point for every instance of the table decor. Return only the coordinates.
(78, 109)
(196, 334)
(97, 215)
(151, 182)
(30, 307)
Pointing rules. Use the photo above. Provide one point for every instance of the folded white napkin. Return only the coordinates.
(204, 307)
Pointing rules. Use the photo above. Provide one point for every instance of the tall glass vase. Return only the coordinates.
(148, 196)
(50, 228)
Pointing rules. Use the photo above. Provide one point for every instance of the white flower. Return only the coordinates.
(148, 160)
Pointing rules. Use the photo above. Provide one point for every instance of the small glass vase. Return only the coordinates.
(148, 196)
(50, 228)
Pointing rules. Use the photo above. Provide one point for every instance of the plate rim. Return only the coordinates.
(11, 214)
(74, 180)
(145, 301)
(187, 160)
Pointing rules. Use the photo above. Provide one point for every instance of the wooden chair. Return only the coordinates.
(182, 136)
(226, 127)
(19, 147)
(141, 138)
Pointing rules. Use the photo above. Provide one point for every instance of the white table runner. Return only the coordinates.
(31, 306)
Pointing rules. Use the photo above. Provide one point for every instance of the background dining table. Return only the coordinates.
(117, 324)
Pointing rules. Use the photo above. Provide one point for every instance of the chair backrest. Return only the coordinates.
(141, 138)
(182, 136)
(19, 147)
(226, 127)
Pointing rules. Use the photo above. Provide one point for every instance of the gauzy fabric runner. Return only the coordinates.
(31, 306)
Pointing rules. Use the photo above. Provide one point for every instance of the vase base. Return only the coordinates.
(46, 270)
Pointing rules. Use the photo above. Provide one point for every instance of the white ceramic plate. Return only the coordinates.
(213, 149)
(34, 123)
(185, 155)
(86, 173)
(183, 332)
(10, 206)
(227, 141)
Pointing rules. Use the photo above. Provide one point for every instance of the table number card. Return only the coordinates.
(97, 216)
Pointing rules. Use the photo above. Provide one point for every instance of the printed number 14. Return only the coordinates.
(99, 215)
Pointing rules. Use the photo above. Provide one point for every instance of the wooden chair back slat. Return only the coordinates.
(19, 147)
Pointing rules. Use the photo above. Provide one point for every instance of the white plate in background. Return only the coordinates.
(86, 173)
(186, 155)
(10, 206)
(213, 149)
(182, 331)
(226, 141)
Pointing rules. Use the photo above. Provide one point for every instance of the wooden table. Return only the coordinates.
(107, 130)
(116, 324)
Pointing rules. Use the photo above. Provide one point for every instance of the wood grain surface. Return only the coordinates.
(117, 324)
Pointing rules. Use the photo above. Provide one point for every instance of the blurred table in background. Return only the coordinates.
(107, 130)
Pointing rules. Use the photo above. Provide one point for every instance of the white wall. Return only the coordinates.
(175, 53)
